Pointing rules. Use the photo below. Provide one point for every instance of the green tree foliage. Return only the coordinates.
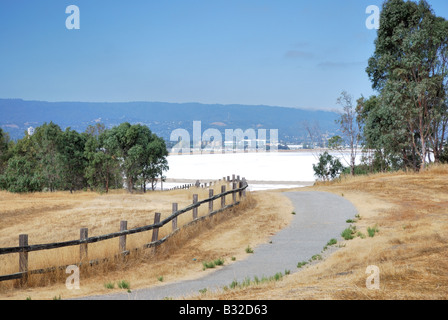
(409, 70)
(351, 131)
(155, 162)
(5, 149)
(385, 137)
(102, 168)
(21, 176)
(20, 173)
(142, 153)
(72, 160)
(328, 167)
(444, 154)
(47, 141)
(99, 158)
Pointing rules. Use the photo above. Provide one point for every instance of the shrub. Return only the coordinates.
(218, 262)
(212, 264)
(372, 231)
(109, 285)
(328, 167)
(316, 257)
(347, 234)
(123, 284)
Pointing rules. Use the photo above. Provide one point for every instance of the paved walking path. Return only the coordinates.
(320, 216)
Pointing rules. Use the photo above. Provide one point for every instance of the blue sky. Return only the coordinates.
(289, 53)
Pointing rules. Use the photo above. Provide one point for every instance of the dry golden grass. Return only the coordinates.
(410, 250)
(59, 216)
(410, 210)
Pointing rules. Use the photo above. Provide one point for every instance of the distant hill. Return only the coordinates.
(162, 118)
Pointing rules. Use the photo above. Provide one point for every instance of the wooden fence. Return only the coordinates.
(199, 184)
(238, 187)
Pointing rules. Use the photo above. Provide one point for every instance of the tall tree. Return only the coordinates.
(155, 162)
(408, 68)
(72, 159)
(5, 149)
(328, 167)
(47, 140)
(102, 168)
(384, 134)
(349, 126)
(132, 145)
(21, 173)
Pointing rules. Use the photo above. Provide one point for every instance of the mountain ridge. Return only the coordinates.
(16, 115)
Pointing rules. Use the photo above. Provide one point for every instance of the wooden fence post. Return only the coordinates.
(155, 231)
(223, 198)
(83, 244)
(175, 219)
(234, 192)
(210, 204)
(195, 210)
(122, 242)
(244, 183)
(84, 234)
(23, 258)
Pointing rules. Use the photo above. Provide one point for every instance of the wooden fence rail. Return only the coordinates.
(203, 185)
(238, 187)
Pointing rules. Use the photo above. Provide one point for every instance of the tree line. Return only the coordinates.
(100, 159)
(404, 125)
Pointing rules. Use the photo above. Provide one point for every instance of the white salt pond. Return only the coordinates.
(263, 170)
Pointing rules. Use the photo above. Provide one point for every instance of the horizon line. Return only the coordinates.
(332, 109)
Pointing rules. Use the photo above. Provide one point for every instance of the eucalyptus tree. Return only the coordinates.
(102, 166)
(5, 149)
(328, 167)
(350, 128)
(140, 152)
(72, 160)
(47, 141)
(22, 171)
(409, 70)
(384, 135)
(155, 162)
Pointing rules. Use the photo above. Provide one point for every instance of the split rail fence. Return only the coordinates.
(203, 185)
(238, 187)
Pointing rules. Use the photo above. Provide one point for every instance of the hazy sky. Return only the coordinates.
(290, 53)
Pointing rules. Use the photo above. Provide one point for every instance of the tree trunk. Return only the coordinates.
(130, 185)
(423, 155)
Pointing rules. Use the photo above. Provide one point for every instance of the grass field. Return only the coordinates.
(402, 229)
(409, 213)
(55, 217)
